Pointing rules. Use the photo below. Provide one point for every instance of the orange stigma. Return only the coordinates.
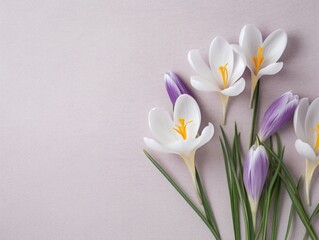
(224, 72)
(181, 129)
(317, 142)
(258, 59)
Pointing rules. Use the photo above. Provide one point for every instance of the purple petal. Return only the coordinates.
(172, 89)
(277, 105)
(278, 114)
(255, 171)
(174, 86)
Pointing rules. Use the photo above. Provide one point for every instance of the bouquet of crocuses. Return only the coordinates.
(255, 177)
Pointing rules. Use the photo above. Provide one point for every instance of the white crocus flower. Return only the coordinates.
(306, 124)
(261, 56)
(179, 135)
(223, 75)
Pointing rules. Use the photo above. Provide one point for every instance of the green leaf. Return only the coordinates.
(268, 196)
(274, 230)
(293, 193)
(312, 217)
(291, 214)
(208, 211)
(232, 194)
(237, 195)
(180, 191)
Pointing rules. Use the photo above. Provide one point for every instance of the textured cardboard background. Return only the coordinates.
(77, 79)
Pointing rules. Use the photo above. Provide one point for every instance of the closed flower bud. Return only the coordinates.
(278, 114)
(174, 86)
(255, 173)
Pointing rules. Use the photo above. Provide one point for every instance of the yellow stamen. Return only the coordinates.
(224, 72)
(181, 129)
(317, 142)
(258, 59)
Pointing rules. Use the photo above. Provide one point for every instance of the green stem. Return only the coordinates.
(255, 108)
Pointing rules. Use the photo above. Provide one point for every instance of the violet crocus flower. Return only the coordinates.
(255, 173)
(278, 114)
(174, 86)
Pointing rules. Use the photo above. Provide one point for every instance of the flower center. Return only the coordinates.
(317, 142)
(224, 72)
(258, 59)
(181, 129)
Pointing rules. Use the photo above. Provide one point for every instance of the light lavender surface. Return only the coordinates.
(77, 81)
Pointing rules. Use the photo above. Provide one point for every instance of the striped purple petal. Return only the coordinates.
(174, 86)
(255, 171)
(278, 114)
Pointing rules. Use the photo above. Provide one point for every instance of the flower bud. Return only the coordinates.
(278, 114)
(174, 86)
(255, 172)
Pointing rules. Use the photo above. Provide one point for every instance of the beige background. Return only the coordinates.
(77, 79)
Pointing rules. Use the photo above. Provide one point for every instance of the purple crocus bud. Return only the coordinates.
(255, 173)
(174, 86)
(278, 114)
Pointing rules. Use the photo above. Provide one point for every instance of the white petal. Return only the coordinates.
(312, 120)
(270, 69)
(305, 150)
(199, 66)
(274, 46)
(238, 68)
(190, 145)
(236, 89)
(161, 125)
(220, 54)
(150, 143)
(300, 119)
(207, 134)
(250, 39)
(187, 108)
(239, 51)
(202, 84)
(184, 147)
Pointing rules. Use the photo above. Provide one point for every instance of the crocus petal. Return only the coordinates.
(300, 119)
(183, 147)
(207, 134)
(305, 150)
(278, 114)
(191, 145)
(238, 68)
(236, 89)
(152, 144)
(312, 120)
(161, 125)
(239, 51)
(273, 46)
(171, 87)
(220, 53)
(200, 67)
(179, 83)
(250, 39)
(202, 84)
(270, 69)
(255, 171)
(174, 86)
(276, 106)
(187, 108)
